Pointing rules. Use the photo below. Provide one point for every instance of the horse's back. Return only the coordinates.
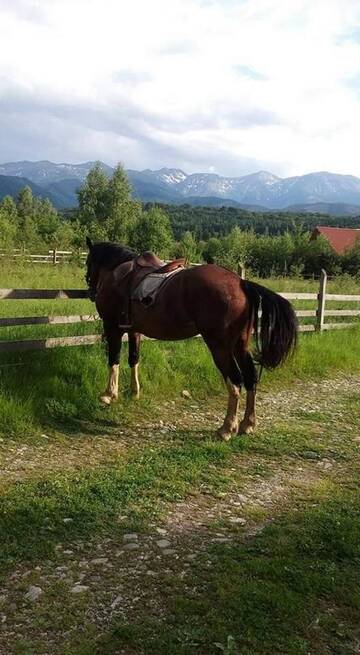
(204, 299)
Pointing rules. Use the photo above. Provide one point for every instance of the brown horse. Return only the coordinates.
(207, 300)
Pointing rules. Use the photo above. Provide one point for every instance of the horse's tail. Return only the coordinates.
(277, 337)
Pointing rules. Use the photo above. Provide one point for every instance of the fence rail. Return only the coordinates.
(319, 314)
(53, 256)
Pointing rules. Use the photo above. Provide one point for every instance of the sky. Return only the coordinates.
(223, 86)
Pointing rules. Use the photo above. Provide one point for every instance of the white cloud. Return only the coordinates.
(226, 85)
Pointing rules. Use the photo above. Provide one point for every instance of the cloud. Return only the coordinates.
(234, 85)
(184, 47)
(132, 76)
(250, 73)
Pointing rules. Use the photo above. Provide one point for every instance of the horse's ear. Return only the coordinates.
(89, 243)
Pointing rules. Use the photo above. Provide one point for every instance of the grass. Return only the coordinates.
(144, 479)
(43, 390)
(294, 590)
(291, 589)
(289, 586)
(139, 483)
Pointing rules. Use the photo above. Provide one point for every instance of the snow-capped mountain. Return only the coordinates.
(253, 189)
(262, 188)
(170, 176)
(45, 172)
(172, 185)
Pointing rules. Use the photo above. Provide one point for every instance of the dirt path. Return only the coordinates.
(88, 584)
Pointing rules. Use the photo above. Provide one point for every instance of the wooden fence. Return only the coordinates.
(319, 314)
(53, 256)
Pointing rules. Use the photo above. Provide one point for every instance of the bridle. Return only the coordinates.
(92, 285)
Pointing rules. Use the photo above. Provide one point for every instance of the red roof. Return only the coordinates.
(339, 238)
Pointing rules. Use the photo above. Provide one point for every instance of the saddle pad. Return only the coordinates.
(148, 289)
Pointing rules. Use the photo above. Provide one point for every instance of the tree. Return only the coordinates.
(26, 233)
(351, 260)
(47, 221)
(93, 196)
(152, 231)
(7, 231)
(25, 203)
(212, 250)
(9, 209)
(123, 212)
(188, 247)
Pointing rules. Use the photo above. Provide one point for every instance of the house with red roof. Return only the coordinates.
(339, 238)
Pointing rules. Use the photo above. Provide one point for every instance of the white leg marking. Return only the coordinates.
(135, 384)
(249, 421)
(112, 390)
(231, 423)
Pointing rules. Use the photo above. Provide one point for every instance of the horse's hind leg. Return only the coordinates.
(246, 363)
(134, 351)
(231, 373)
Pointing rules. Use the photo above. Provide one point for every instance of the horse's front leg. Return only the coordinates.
(113, 335)
(134, 352)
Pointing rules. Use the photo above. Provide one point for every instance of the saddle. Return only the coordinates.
(128, 278)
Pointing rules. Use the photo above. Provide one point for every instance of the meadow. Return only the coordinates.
(133, 530)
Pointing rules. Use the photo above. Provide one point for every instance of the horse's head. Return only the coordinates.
(92, 271)
(103, 255)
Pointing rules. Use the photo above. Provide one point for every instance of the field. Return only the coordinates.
(132, 530)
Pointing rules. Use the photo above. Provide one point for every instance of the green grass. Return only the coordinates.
(17, 275)
(39, 389)
(67, 276)
(292, 590)
(138, 484)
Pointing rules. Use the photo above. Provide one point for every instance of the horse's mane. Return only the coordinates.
(109, 255)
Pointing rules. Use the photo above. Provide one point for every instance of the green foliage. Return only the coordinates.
(7, 230)
(107, 211)
(265, 255)
(152, 231)
(351, 260)
(9, 208)
(188, 247)
(93, 196)
(122, 211)
(207, 222)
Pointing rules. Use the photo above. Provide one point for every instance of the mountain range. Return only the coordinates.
(321, 192)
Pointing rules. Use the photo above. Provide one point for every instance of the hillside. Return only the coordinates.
(10, 186)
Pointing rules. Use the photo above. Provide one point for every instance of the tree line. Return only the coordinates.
(274, 244)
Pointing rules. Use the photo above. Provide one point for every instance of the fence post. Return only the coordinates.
(54, 256)
(320, 313)
(241, 270)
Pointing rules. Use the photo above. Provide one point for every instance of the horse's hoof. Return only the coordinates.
(245, 429)
(105, 400)
(224, 435)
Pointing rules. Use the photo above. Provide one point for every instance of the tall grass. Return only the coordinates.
(59, 388)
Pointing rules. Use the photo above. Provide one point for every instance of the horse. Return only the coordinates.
(206, 300)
